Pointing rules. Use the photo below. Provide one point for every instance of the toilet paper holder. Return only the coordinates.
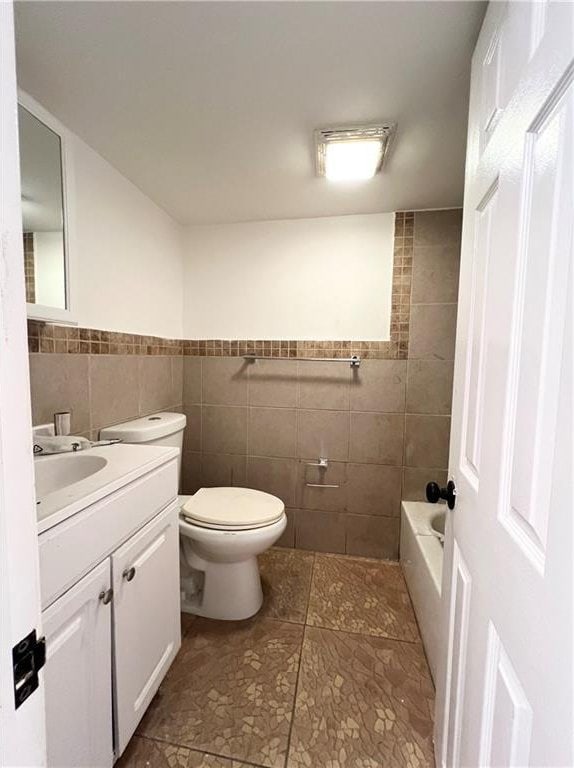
(322, 464)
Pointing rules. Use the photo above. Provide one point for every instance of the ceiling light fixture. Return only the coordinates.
(352, 153)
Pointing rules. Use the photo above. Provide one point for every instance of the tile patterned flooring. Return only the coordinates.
(330, 674)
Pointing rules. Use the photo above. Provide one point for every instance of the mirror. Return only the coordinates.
(43, 218)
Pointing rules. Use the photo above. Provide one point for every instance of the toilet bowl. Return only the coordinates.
(222, 530)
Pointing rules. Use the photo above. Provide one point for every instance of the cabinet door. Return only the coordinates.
(146, 618)
(78, 674)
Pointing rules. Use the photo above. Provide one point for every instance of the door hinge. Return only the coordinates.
(28, 658)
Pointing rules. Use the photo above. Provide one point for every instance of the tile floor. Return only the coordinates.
(330, 674)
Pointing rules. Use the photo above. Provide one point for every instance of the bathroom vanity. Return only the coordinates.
(109, 570)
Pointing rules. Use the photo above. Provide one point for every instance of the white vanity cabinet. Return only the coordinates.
(77, 674)
(112, 623)
(146, 619)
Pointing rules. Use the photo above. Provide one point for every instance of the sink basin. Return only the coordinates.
(67, 483)
(53, 473)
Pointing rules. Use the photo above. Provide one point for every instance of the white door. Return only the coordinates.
(22, 734)
(78, 674)
(504, 696)
(147, 632)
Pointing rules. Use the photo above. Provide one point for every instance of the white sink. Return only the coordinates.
(67, 483)
(56, 472)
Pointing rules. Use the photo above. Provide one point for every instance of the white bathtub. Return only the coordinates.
(421, 557)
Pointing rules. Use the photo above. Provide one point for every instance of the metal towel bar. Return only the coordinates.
(354, 361)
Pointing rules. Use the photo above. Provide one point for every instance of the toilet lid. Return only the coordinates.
(233, 507)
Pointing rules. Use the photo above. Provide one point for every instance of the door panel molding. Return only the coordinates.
(532, 400)
(457, 645)
(507, 714)
(474, 390)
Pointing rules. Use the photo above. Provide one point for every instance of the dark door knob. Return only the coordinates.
(435, 492)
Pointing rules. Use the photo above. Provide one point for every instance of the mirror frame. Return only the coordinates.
(40, 311)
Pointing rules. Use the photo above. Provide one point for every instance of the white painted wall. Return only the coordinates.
(49, 273)
(134, 269)
(325, 278)
(127, 259)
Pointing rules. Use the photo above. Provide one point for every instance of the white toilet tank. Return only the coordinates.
(158, 429)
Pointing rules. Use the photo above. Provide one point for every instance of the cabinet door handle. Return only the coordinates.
(106, 596)
(129, 573)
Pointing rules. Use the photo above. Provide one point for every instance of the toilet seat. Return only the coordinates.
(232, 509)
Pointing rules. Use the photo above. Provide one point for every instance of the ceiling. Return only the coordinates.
(209, 107)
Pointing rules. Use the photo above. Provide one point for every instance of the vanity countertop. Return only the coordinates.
(124, 463)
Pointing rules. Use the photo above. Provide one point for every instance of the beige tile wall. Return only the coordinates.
(436, 257)
(260, 424)
(101, 390)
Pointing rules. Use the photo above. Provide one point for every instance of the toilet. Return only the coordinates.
(222, 530)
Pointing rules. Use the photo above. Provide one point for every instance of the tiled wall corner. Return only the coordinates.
(430, 364)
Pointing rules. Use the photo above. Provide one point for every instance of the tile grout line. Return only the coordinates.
(309, 591)
(179, 745)
(297, 434)
(353, 382)
(281, 620)
(90, 414)
(366, 634)
(291, 724)
(200, 422)
(248, 420)
(336, 410)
